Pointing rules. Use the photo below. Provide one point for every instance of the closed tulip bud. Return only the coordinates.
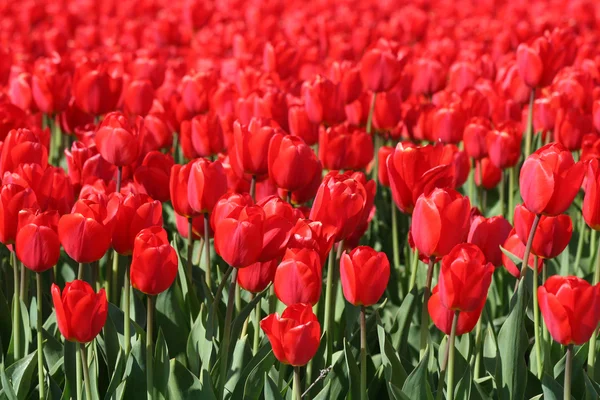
(487, 174)
(207, 183)
(22, 146)
(13, 198)
(550, 179)
(256, 277)
(37, 244)
(382, 173)
(440, 222)
(83, 233)
(474, 137)
(489, 234)
(380, 69)
(504, 146)
(307, 234)
(251, 144)
(51, 85)
(96, 89)
(364, 274)
(239, 236)
(465, 278)
(138, 97)
(298, 277)
(279, 221)
(227, 205)
(152, 177)
(413, 171)
(442, 316)
(117, 140)
(295, 336)
(570, 307)
(292, 163)
(80, 312)
(154, 263)
(178, 185)
(301, 126)
(339, 204)
(323, 101)
(205, 134)
(552, 235)
(513, 244)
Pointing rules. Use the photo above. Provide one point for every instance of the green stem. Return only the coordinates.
(512, 173)
(395, 235)
(86, 371)
(529, 130)
(17, 306)
(223, 363)
(592, 347)
(207, 251)
(582, 232)
(255, 343)
(568, 372)
(363, 354)
(149, 347)
(328, 306)
(424, 312)
(536, 323)
(450, 382)
(126, 311)
(190, 250)
(297, 389)
(524, 263)
(40, 337)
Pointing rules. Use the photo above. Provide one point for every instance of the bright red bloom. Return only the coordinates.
(292, 163)
(154, 263)
(256, 277)
(117, 140)
(207, 183)
(80, 312)
(37, 244)
(552, 235)
(298, 277)
(442, 316)
(239, 236)
(13, 198)
(515, 245)
(251, 145)
(465, 278)
(152, 177)
(295, 336)
(489, 234)
(570, 307)
(364, 274)
(440, 222)
(550, 179)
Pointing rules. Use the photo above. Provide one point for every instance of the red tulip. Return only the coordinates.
(13, 198)
(514, 245)
(442, 316)
(292, 163)
(207, 183)
(239, 236)
(339, 204)
(37, 244)
(154, 263)
(298, 277)
(570, 307)
(364, 274)
(295, 336)
(552, 235)
(83, 233)
(251, 146)
(489, 234)
(550, 179)
(80, 312)
(256, 277)
(117, 140)
(152, 177)
(96, 89)
(413, 171)
(465, 278)
(440, 222)
(178, 185)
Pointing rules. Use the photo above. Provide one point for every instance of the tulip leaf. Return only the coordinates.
(20, 374)
(416, 385)
(199, 346)
(161, 367)
(253, 385)
(175, 324)
(394, 371)
(353, 372)
(183, 385)
(512, 346)
(271, 391)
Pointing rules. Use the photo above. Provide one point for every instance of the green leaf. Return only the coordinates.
(20, 374)
(552, 389)
(271, 391)
(417, 383)
(512, 346)
(161, 367)
(183, 385)
(394, 371)
(353, 373)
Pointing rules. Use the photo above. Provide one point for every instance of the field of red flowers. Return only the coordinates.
(297, 199)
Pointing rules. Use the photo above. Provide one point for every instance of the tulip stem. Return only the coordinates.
(529, 130)
(525, 261)
(149, 347)
(86, 371)
(395, 235)
(207, 251)
(253, 187)
(40, 337)
(568, 372)
(536, 321)
(592, 347)
(512, 172)
(126, 311)
(424, 312)
(297, 388)
(17, 306)
(190, 250)
(257, 312)
(363, 354)
(413, 269)
(450, 381)
(223, 363)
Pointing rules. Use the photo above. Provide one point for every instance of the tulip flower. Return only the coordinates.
(292, 163)
(550, 179)
(552, 235)
(295, 335)
(442, 316)
(239, 236)
(489, 234)
(37, 244)
(117, 140)
(154, 263)
(513, 244)
(364, 274)
(298, 277)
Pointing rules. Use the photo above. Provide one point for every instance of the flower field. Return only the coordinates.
(297, 199)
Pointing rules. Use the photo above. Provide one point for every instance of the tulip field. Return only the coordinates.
(299, 199)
